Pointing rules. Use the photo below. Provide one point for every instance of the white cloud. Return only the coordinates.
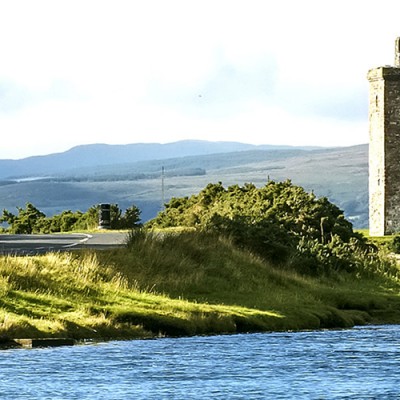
(284, 72)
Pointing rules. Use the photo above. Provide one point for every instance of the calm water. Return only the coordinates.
(361, 363)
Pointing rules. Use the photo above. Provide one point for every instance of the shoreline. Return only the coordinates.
(7, 344)
(392, 318)
(181, 287)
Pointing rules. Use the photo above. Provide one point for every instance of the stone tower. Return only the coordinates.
(384, 148)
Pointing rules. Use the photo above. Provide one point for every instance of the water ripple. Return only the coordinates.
(361, 363)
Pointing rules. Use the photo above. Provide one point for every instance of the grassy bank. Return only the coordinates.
(181, 284)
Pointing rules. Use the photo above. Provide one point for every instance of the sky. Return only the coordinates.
(285, 72)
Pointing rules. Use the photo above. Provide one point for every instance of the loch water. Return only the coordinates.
(359, 363)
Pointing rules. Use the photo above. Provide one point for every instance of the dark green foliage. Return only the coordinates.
(280, 222)
(279, 203)
(130, 219)
(395, 244)
(263, 237)
(31, 220)
(25, 221)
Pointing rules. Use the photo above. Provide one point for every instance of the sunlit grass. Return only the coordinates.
(178, 284)
(379, 240)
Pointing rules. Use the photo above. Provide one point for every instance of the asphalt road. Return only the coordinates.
(39, 244)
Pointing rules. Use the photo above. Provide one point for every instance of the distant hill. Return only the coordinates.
(131, 174)
(94, 155)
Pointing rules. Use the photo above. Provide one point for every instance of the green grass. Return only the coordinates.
(380, 241)
(178, 284)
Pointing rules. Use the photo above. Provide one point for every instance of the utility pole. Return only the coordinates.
(162, 188)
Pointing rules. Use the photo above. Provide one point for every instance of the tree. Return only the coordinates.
(32, 220)
(131, 218)
(26, 221)
(88, 220)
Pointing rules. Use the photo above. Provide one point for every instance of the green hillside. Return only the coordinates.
(182, 284)
(341, 174)
(225, 260)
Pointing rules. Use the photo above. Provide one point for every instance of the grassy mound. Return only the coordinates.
(179, 284)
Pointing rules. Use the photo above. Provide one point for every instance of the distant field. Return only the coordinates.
(340, 174)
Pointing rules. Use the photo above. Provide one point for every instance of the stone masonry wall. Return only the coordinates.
(384, 151)
(376, 154)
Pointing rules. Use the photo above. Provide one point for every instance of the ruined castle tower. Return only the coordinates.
(384, 148)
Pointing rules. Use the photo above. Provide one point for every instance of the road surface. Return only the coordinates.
(38, 244)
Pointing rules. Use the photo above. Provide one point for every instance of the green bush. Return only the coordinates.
(394, 245)
(32, 220)
(280, 222)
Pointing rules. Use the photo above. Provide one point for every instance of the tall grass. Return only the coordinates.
(177, 284)
(77, 295)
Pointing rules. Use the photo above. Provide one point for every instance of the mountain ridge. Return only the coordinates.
(340, 174)
(100, 154)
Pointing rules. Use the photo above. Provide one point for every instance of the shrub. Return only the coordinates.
(280, 222)
(32, 220)
(394, 246)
